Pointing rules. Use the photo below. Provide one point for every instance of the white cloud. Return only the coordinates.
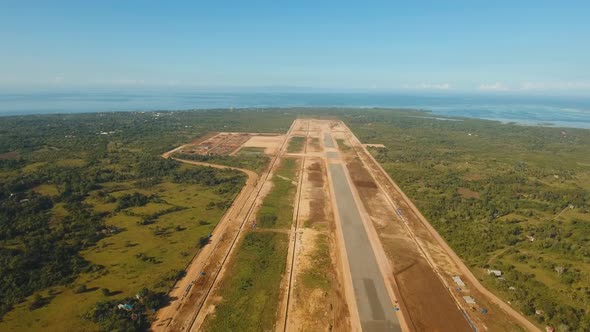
(58, 79)
(493, 87)
(126, 81)
(428, 86)
(562, 86)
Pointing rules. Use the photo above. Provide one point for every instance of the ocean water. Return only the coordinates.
(530, 110)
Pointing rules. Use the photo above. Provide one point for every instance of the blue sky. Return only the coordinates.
(479, 46)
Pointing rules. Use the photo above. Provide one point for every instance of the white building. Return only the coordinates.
(458, 281)
(469, 299)
(497, 273)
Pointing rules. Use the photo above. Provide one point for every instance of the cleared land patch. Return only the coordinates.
(269, 143)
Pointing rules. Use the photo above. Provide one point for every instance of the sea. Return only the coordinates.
(573, 112)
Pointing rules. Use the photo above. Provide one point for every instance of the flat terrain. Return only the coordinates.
(97, 216)
(389, 268)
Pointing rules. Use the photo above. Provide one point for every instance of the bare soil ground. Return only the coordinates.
(271, 144)
(227, 143)
(374, 145)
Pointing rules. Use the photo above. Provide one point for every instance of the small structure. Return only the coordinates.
(458, 281)
(469, 299)
(125, 306)
(497, 273)
(549, 329)
(539, 312)
(530, 238)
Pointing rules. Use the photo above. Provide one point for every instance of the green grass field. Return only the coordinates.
(250, 292)
(170, 240)
(318, 274)
(277, 207)
(250, 159)
(296, 144)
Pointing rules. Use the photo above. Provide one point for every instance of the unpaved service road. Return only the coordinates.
(376, 310)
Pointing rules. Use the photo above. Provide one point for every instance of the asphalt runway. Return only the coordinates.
(332, 154)
(328, 141)
(376, 309)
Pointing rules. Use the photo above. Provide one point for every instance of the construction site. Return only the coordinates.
(354, 255)
(225, 143)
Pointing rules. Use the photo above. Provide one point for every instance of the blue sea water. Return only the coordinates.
(526, 110)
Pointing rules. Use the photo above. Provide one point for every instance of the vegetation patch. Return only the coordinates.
(315, 143)
(318, 275)
(296, 144)
(251, 289)
(277, 207)
(488, 187)
(60, 230)
(343, 145)
(252, 161)
(251, 150)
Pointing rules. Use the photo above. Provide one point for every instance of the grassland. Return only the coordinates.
(342, 145)
(318, 274)
(168, 244)
(296, 144)
(277, 208)
(249, 159)
(250, 292)
(251, 150)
